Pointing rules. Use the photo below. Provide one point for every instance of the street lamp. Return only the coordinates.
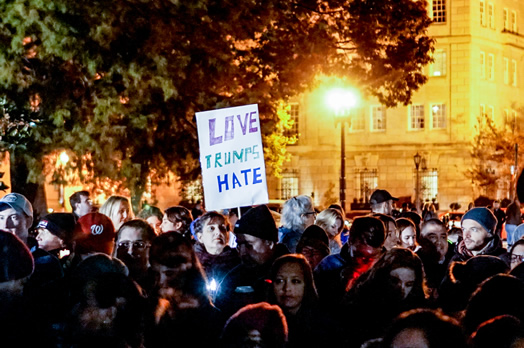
(341, 101)
(417, 159)
(63, 158)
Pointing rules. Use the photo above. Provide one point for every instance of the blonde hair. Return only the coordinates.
(328, 217)
(113, 204)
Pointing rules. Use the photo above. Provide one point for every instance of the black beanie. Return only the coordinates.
(61, 225)
(16, 261)
(258, 222)
(315, 237)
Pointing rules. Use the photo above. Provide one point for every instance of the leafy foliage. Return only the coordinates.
(117, 83)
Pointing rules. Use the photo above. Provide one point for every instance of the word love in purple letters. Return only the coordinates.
(247, 124)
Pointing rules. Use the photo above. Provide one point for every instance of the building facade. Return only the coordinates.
(477, 70)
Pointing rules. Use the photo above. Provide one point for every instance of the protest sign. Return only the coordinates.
(232, 157)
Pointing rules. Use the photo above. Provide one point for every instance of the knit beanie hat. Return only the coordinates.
(16, 261)
(61, 225)
(258, 222)
(93, 232)
(314, 236)
(483, 216)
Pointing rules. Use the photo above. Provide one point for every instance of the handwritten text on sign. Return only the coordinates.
(232, 157)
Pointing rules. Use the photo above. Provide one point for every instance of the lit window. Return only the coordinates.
(378, 118)
(439, 65)
(294, 113)
(482, 109)
(289, 184)
(358, 122)
(482, 65)
(513, 72)
(506, 70)
(491, 67)
(514, 21)
(416, 117)
(428, 183)
(438, 115)
(366, 183)
(439, 11)
(491, 15)
(482, 13)
(506, 19)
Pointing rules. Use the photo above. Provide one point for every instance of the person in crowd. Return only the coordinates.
(212, 247)
(381, 201)
(255, 325)
(257, 237)
(392, 232)
(478, 227)
(454, 236)
(181, 313)
(16, 267)
(415, 217)
(177, 219)
(335, 274)
(313, 245)
(435, 253)
(464, 277)
(429, 211)
(118, 209)
(394, 284)
(81, 204)
(503, 331)
(297, 214)
(407, 233)
(107, 308)
(153, 215)
(16, 216)
(94, 233)
(233, 214)
(197, 210)
(424, 328)
(498, 295)
(332, 223)
(500, 215)
(516, 253)
(513, 219)
(132, 244)
(294, 291)
(55, 232)
(344, 235)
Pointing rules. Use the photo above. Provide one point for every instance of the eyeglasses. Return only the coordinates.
(311, 212)
(517, 258)
(139, 245)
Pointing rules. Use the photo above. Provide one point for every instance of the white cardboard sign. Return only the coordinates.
(232, 157)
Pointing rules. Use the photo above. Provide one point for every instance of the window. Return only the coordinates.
(482, 109)
(366, 183)
(482, 13)
(491, 112)
(491, 67)
(289, 184)
(439, 11)
(438, 116)
(491, 15)
(416, 117)
(510, 119)
(482, 65)
(506, 19)
(514, 21)
(513, 72)
(378, 118)
(428, 184)
(294, 112)
(358, 122)
(506, 70)
(439, 65)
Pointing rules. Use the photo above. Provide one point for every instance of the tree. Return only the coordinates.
(493, 154)
(117, 83)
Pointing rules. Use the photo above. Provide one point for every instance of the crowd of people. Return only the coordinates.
(189, 278)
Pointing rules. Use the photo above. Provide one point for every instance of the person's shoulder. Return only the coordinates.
(330, 262)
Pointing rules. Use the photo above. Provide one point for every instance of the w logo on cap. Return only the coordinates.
(97, 229)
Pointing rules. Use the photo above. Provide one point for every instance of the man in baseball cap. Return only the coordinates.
(381, 201)
(479, 230)
(16, 216)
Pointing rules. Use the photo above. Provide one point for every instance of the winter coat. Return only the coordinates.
(289, 238)
(217, 266)
(494, 248)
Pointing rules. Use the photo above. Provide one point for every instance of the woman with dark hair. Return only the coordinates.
(294, 291)
(181, 306)
(407, 233)
(177, 219)
(395, 283)
(153, 215)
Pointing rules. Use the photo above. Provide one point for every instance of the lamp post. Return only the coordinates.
(341, 101)
(62, 161)
(417, 159)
